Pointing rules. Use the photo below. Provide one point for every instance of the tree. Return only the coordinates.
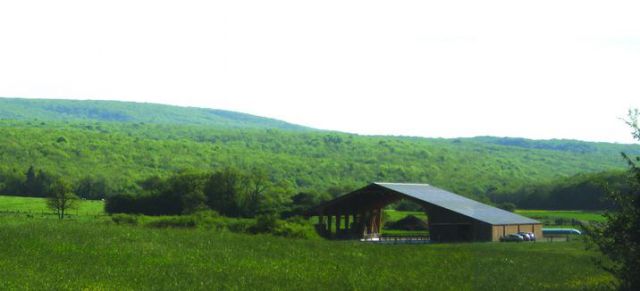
(223, 192)
(30, 183)
(187, 188)
(254, 187)
(61, 198)
(619, 237)
(508, 206)
(92, 188)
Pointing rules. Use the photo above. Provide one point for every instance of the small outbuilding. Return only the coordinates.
(451, 217)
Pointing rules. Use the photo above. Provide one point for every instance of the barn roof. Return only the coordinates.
(427, 194)
(457, 203)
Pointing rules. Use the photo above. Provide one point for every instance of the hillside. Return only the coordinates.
(122, 154)
(131, 112)
(136, 143)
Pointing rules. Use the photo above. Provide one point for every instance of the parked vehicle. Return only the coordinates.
(527, 236)
(532, 235)
(512, 237)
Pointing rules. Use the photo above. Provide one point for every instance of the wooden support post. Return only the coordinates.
(338, 216)
(379, 222)
(346, 222)
(329, 224)
(369, 222)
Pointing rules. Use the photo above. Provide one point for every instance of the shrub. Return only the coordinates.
(174, 221)
(295, 230)
(265, 224)
(238, 225)
(125, 219)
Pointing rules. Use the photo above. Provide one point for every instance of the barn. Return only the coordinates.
(451, 217)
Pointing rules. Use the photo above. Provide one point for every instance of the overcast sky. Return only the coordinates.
(536, 69)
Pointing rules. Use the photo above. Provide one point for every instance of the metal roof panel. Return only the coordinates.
(457, 203)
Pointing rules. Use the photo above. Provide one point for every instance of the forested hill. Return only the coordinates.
(120, 155)
(113, 146)
(566, 145)
(132, 112)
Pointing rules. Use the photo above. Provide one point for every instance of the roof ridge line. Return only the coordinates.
(421, 184)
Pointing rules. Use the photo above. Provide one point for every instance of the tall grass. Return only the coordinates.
(46, 254)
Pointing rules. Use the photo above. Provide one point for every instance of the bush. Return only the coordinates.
(174, 221)
(238, 225)
(125, 219)
(296, 230)
(265, 224)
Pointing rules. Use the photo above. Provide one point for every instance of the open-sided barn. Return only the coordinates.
(451, 217)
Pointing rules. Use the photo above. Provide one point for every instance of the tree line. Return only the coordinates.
(37, 183)
(229, 192)
(583, 192)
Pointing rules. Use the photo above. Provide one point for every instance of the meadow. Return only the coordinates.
(38, 206)
(91, 252)
(90, 255)
(591, 216)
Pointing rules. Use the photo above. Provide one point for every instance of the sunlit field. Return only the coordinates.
(47, 254)
(93, 253)
(593, 216)
(38, 206)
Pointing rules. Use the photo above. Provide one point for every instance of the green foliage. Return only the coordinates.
(407, 205)
(210, 220)
(619, 237)
(60, 198)
(223, 190)
(265, 224)
(120, 155)
(582, 191)
(116, 111)
(118, 148)
(75, 255)
(508, 206)
(122, 218)
(183, 221)
(228, 192)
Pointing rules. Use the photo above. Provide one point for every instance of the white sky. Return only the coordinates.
(537, 69)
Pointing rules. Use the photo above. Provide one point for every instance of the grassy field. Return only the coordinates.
(47, 254)
(592, 216)
(38, 206)
(588, 216)
(42, 253)
(395, 215)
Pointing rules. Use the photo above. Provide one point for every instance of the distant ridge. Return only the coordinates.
(121, 111)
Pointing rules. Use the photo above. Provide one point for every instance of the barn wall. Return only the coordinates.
(511, 228)
(446, 225)
(537, 230)
(498, 232)
(482, 231)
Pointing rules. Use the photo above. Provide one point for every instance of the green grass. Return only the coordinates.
(38, 206)
(591, 216)
(47, 254)
(395, 215)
